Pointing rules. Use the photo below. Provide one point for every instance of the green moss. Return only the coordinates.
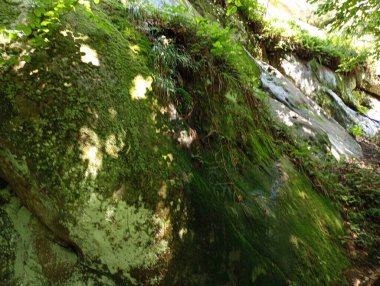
(262, 223)
(82, 135)
(22, 260)
(103, 160)
(8, 13)
(281, 229)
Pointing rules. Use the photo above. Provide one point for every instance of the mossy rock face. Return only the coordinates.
(80, 148)
(346, 84)
(273, 230)
(369, 83)
(83, 148)
(8, 13)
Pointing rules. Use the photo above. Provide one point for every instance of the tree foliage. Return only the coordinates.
(356, 17)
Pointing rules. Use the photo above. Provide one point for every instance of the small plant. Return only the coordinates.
(168, 58)
(356, 131)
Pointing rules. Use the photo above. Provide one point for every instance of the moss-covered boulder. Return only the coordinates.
(88, 148)
(80, 148)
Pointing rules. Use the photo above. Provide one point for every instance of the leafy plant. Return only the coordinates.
(356, 131)
(352, 16)
(233, 7)
(43, 18)
(222, 41)
(167, 60)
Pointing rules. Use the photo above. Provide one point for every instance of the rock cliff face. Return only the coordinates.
(105, 183)
(307, 119)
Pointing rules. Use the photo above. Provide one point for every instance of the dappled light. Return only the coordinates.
(205, 143)
(4, 39)
(334, 151)
(182, 232)
(374, 111)
(163, 191)
(135, 49)
(162, 221)
(113, 146)
(140, 87)
(302, 194)
(19, 66)
(77, 37)
(285, 118)
(89, 55)
(112, 112)
(308, 131)
(90, 147)
(294, 240)
(187, 137)
(118, 194)
(125, 235)
(110, 213)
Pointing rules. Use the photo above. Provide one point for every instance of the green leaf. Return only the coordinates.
(38, 11)
(231, 10)
(27, 58)
(217, 45)
(238, 3)
(49, 14)
(45, 23)
(25, 29)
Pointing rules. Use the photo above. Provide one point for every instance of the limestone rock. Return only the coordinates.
(320, 84)
(297, 108)
(370, 84)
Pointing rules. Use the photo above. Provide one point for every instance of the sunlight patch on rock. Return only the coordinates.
(285, 118)
(90, 56)
(135, 49)
(90, 149)
(140, 87)
(113, 146)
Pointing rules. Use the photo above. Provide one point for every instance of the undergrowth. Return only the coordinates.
(332, 51)
(354, 187)
(247, 16)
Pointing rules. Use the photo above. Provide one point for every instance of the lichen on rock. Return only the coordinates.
(123, 237)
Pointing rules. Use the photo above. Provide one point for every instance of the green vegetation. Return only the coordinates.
(81, 133)
(332, 51)
(232, 189)
(335, 51)
(42, 19)
(352, 17)
(356, 131)
(354, 187)
(142, 139)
